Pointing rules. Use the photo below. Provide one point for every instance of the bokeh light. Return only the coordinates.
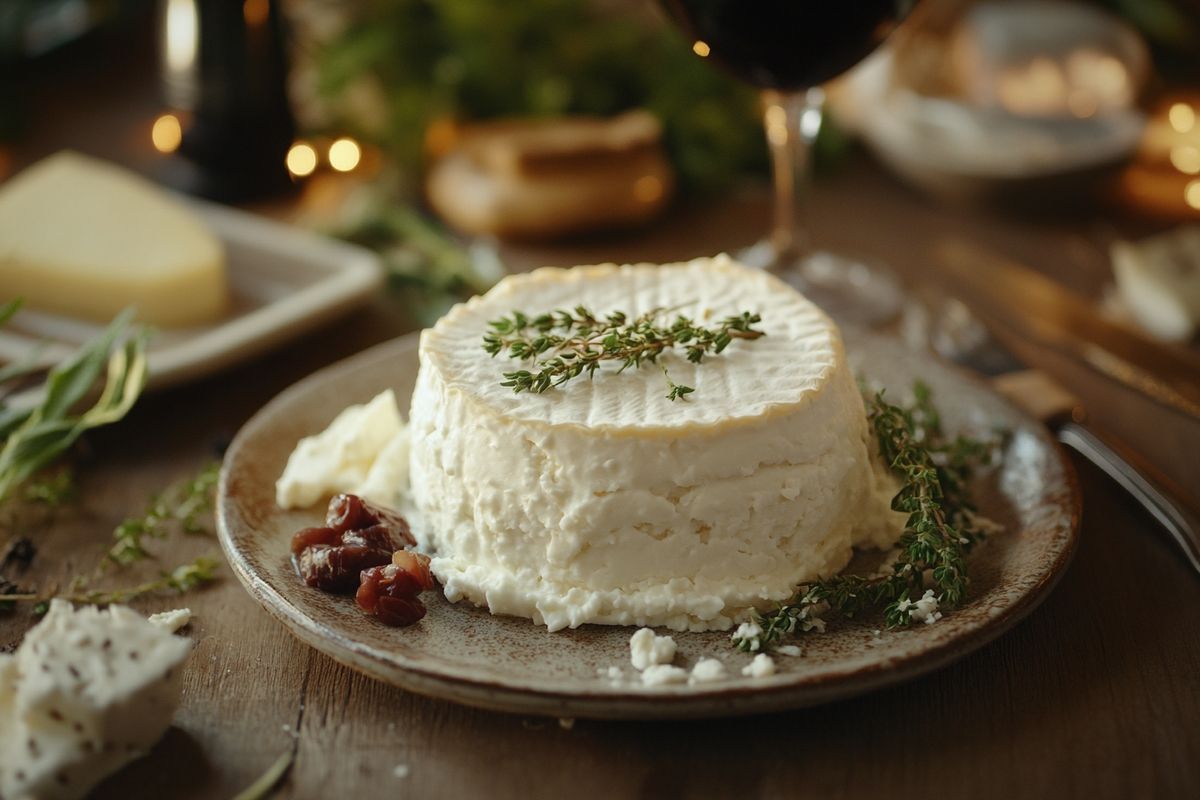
(301, 159)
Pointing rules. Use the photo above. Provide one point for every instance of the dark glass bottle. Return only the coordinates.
(224, 66)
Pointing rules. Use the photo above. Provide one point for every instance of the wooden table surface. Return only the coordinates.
(1096, 695)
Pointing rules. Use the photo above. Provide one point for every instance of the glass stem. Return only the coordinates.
(792, 122)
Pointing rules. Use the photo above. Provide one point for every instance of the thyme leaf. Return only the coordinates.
(181, 507)
(565, 344)
(941, 528)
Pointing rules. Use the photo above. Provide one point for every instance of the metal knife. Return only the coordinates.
(954, 332)
(1007, 295)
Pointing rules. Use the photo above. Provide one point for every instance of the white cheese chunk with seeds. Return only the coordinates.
(87, 691)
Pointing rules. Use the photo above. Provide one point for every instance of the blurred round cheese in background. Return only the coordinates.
(85, 238)
(547, 178)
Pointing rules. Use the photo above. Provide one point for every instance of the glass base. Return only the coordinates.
(851, 291)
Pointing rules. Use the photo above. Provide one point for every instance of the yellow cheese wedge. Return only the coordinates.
(82, 237)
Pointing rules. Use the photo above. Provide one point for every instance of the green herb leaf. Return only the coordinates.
(181, 507)
(578, 341)
(8, 309)
(941, 527)
(34, 438)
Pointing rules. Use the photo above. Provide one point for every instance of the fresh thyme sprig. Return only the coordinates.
(181, 507)
(566, 344)
(185, 507)
(941, 527)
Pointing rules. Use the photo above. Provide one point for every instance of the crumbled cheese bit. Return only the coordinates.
(707, 670)
(647, 650)
(663, 674)
(926, 609)
(616, 674)
(789, 650)
(749, 632)
(761, 667)
(401, 771)
(566, 723)
(172, 621)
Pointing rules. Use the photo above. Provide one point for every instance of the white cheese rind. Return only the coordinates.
(604, 502)
(88, 691)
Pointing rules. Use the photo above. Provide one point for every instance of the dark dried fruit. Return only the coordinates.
(337, 569)
(314, 536)
(392, 592)
(378, 537)
(400, 611)
(416, 565)
(348, 512)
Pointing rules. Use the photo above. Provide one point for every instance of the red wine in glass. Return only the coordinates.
(788, 48)
(788, 45)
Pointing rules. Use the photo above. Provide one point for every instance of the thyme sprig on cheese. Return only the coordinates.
(929, 571)
(566, 344)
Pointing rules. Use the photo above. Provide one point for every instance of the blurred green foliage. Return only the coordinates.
(467, 59)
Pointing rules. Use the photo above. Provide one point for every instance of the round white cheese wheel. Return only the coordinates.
(601, 500)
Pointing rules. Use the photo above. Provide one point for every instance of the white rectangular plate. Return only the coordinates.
(284, 280)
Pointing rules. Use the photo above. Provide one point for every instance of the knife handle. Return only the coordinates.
(1148, 489)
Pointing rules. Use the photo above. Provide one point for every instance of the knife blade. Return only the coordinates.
(1009, 296)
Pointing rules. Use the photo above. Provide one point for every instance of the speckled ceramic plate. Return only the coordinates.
(464, 654)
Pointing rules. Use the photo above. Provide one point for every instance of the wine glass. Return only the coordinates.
(788, 48)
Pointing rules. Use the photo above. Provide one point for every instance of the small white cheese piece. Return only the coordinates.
(87, 238)
(647, 650)
(400, 771)
(663, 675)
(1159, 281)
(749, 632)
(761, 667)
(926, 609)
(789, 650)
(343, 457)
(707, 670)
(172, 621)
(88, 691)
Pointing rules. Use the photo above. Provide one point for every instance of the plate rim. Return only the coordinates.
(499, 695)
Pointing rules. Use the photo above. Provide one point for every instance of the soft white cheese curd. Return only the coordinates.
(763, 666)
(364, 451)
(707, 670)
(646, 649)
(663, 675)
(601, 501)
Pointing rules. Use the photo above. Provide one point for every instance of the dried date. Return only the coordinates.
(337, 569)
(349, 512)
(392, 592)
(314, 536)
